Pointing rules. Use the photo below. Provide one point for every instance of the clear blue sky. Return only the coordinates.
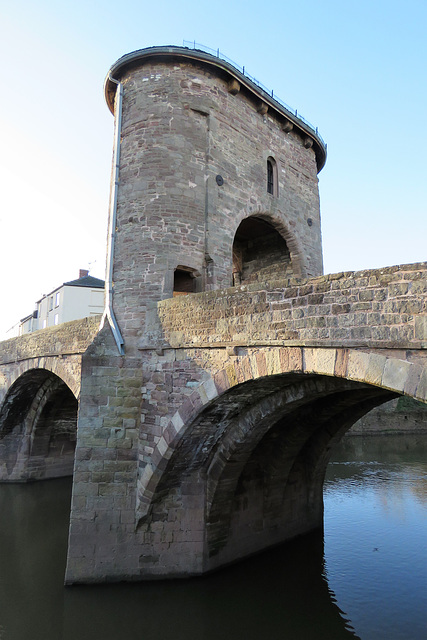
(357, 70)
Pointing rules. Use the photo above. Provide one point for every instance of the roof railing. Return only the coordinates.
(192, 44)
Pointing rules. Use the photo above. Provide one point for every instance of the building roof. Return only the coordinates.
(26, 318)
(86, 281)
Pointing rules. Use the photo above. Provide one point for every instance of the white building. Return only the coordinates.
(72, 300)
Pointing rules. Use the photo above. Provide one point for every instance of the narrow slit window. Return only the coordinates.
(270, 177)
(272, 186)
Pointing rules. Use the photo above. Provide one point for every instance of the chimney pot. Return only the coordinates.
(83, 273)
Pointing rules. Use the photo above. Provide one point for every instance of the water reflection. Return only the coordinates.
(33, 538)
(375, 534)
(278, 595)
(281, 594)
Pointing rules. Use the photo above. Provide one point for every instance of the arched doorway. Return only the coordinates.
(259, 253)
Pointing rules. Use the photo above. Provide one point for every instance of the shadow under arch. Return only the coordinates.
(38, 426)
(52, 364)
(379, 371)
(261, 450)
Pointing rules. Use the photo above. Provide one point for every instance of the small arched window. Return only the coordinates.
(272, 177)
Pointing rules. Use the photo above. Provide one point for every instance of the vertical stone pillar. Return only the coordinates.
(101, 543)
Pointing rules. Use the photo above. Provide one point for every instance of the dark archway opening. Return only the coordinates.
(38, 427)
(54, 436)
(259, 253)
(258, 454)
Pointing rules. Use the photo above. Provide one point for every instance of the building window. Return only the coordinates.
(57, 297)
(56, 319)
(50, 303)
(272, 177)
(44, 323)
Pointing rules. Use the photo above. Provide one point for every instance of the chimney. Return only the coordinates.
(83, 273)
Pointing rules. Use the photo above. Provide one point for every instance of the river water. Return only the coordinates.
(364, 577)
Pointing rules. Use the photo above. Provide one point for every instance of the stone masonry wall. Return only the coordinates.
(181, 128)
(383, 308)
(69, 337)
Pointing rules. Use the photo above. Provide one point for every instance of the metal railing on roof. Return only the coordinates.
(192, 44)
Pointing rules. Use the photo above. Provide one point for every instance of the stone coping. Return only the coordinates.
(68, 338)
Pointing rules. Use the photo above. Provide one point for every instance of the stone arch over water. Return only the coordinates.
(38, 427)
(258, 436)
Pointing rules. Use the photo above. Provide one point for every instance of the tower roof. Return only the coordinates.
(223, 67)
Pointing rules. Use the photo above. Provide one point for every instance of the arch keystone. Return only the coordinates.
(261, 364)
(243, 370)
(221, 382)
(421, 393)
(231, 375)
(163, 448)
(412, 383)
(291, 359)
(177, 422)
(341, 363)
(254, 366)
(210, 389)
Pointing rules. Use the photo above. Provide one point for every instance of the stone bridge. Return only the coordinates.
(206, 414)
(40, 377)
(210, 441)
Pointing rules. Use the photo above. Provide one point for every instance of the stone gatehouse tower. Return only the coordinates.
(216, 184)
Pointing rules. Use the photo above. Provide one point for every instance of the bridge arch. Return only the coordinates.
(290, 402)
(38, 425)
(68, 372)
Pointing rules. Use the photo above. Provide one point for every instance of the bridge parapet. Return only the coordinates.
(68, 338)
(382, 308)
